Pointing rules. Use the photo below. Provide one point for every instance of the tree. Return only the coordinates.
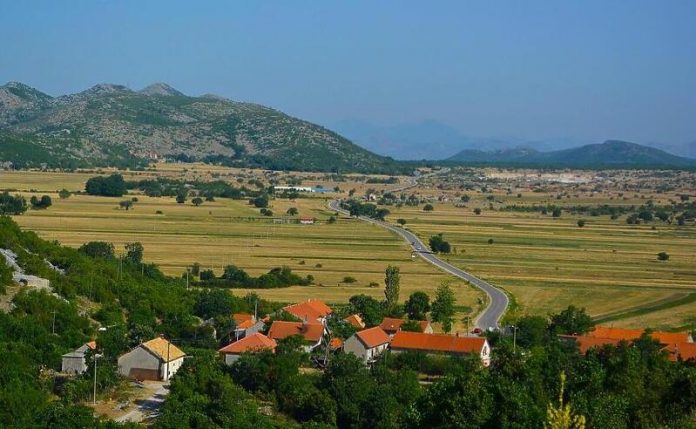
(292, 211)
(571, 321)
(663, 256)
(465, 198)
(417, 305)
(332, 220)
(181, 198)
(443, 307)
(214, 302)
(261, 201)
(42, 203)
(477, 211)
(439, 245)
(428, 208)
(125, 204)
(401, 221)
(581, 223)
(391, 290)
(556, 212)
(197, 201)
(207, 275)
(12, 205)
(98, 249)
(531, 331)
(64, 194)
(111, 186)
(134, 252)
(195, 269)
(369, 309)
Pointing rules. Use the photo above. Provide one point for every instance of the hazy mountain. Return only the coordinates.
(111, 123)
(433, 140)
(612, 153)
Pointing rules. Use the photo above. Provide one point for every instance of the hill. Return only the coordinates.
(610, 154)
(111, 124)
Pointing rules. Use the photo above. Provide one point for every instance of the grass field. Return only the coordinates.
(548, 263)
(232, 232)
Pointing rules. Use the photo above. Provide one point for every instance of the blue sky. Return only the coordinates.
(583, 69)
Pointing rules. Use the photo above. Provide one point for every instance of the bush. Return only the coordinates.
(663, 256)
(42, 203)
(428, 208)
(439, 245)
(477, 211)
(197, 201)
(349, 279)
(64, 193)
(111, 186)
(581, 223)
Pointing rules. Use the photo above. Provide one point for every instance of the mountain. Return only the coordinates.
(432, 139)
(111, 124)
(611, 153)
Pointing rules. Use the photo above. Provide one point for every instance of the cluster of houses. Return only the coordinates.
(366, 344)
(159, 359)
(678, 345)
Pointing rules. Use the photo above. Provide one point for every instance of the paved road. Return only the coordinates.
(497, 300)
(147, 408)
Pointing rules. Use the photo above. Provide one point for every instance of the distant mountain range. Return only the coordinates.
(611, 153)
(113, 125)
(435, 141)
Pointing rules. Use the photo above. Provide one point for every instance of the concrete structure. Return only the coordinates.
(252, 344)
(156, 359)
(312, 332)
(441, 344)
(367, 344)
(75, 362)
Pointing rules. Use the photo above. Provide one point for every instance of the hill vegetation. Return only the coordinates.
(114, 125)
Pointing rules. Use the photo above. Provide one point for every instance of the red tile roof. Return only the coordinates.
(372, 337)
(245, 324)
(310, 310)
(335, 343)
(391, 325)
(253, 343)
(355, 320)
(241, 317)
(634, 334)
(586, 343)
(683, 351)
(310, 331)
(437, 342)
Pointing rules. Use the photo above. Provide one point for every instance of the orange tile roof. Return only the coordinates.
(92, 345)
(245, 324)
(355, 320)
(310, 310)
(634, 334)
(390, 324)
(685, 351)
(310, 331)
(335, 343)
(373, 337)
(241, 317)
(437, 342)
(253, 343)
(586, 343)
(163, 348)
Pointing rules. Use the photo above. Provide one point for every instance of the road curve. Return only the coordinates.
(489, 318)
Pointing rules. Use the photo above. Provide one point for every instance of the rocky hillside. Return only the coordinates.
(112, 124)
(611, 153)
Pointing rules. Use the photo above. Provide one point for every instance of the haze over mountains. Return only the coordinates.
(111, 124)
(434, 140)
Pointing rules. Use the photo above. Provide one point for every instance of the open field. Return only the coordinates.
(548, 263)
(232, 232)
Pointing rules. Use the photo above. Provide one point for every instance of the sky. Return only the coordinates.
(589, 70)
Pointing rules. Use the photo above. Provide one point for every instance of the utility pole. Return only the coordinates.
(94, 397)
(514, 338)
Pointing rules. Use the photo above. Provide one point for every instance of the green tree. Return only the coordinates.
(111, 186)
(391, 281)
(134, 252)
(417, 305)
(126, 204)
(443, 307)
(181, 198)
(428, 208)
(197, 201)
(663, 256)
(64, 194)
(571, 321)
(581, 223)
(98, 249)
(12, 205)
(41, 203)
(439, 245)
(401, 221)
(292, 211)
(369, 309)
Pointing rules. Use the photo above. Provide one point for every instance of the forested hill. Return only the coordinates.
(112, 124)
(610, 154)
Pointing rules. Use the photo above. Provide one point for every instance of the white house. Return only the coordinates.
(157, 359)
(367, 344)
(75, 362)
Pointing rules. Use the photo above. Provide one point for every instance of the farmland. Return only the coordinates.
(544, 262)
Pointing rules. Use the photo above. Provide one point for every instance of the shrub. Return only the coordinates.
(663, 256)
(477, 211)
(42, 203)
(349, 279)
(581, 223)
(428, 208)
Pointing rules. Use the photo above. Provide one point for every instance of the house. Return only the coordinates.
(75, 362)
(312, 332)
(251, 344)
(441, 344)
(683, 351)
(586, 343)
(634, 334)
(246, 324)
(391, 326)
(367, 344)
(157, 359)
(355, 321)
(312, 310)
(307, 220)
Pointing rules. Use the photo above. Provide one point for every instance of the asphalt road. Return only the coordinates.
(497, 300)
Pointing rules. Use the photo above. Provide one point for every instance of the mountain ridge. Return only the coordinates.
(110, 123)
